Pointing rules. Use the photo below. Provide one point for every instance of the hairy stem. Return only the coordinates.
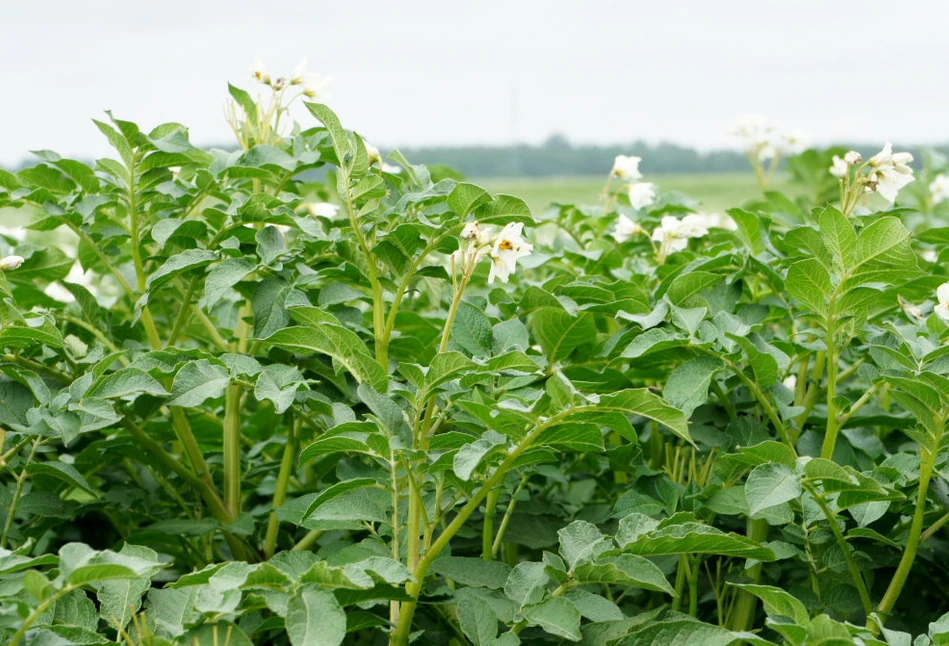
(283, 483)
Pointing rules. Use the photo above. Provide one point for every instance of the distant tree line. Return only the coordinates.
(557, 156)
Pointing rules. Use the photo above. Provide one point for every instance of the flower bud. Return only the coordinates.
(10, 262)
(471, 231)
(373, 153)
(853, 158)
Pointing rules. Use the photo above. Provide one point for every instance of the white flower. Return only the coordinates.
(853, 158)
(641, 194)
(942, 307)
(472, 231)
(299, 72)
(373, 153)
(627, 167)
(625, 229)
(929, 255)
(259, 73)
(694, 225)
(18, 234)
(839, 168)
(10, 263)
(314, 86)
(322, 209)
(790, 382)
(939, 188)
(753, 127)
(795, 143)
(713, 221)
(890, 173)
(508, 247)
(673, 234)
(391, 168)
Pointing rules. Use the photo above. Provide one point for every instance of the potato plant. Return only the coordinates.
(288, 393)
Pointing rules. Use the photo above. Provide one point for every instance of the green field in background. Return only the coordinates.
(716, 191)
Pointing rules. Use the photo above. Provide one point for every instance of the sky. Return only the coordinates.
(427, 72)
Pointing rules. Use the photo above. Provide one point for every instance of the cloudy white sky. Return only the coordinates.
(488, 71)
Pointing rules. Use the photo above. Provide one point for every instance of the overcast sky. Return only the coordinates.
(483, 71)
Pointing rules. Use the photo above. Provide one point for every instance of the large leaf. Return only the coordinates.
(315, 618)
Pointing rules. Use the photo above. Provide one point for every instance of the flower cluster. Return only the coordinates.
(763, 140)
(641, 194)
(313, 85)
(884, 174)
(673, 234)
(504, 249)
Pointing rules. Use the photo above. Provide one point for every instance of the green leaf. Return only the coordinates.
(224, 276)
(581, 542)
(624, 569)
(697, 538)
(180, 263)
(196, 382)
(470, 455)
(119, 600)
(769, 485)
(778, 602)
(335, 490)
(343, 345)
(472, 571)
(527, 584)
(749, 229)
(556, 616)
(278, 384)
(445, 367)
(315, 618)
(478, 621)
(687, 632)
(61, 471)
(809, 283)
(560, 333)
(125, 382)
(640, 401)
(839, 238)
(685, 285)
(341, 143)
(883, 244)
(466, 197)
(472, 331)
(687, 386)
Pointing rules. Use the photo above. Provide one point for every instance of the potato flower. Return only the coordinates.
(626, 229)
(939, 188)
(627, 167)
(259, 72)
(641, 194)
(942, 307)
(889, 172)
(10, 263)
(508, 247)
(839, 168)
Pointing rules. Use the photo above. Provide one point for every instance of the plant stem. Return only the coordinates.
(414, 588)
(496, 547)
(487, 535)
(830, 437)
(744, 611)
(43, 607)
(20, 481)
(283, 482)
(845, 548)
(926, 466)
(307, 541)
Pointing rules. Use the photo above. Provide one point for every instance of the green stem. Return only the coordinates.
(743, 614)
(20, 481)
(508, 513)
(694, 585)
(830, 437)
(283, 482)
(681, 576)
(183, 312)
(926, 467)
(43, 607)
(845, 548)
(232, 449)
(307, 541)
(487, 535)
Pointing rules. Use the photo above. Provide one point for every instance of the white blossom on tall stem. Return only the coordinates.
(839, 168)
(889, 172)
(259, 72)
(939, 188)
(641, 194)
(626, 167)
(507, 248)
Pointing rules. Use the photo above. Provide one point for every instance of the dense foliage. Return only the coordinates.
(385, 408)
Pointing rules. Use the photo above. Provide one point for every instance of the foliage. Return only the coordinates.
(271, 410)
